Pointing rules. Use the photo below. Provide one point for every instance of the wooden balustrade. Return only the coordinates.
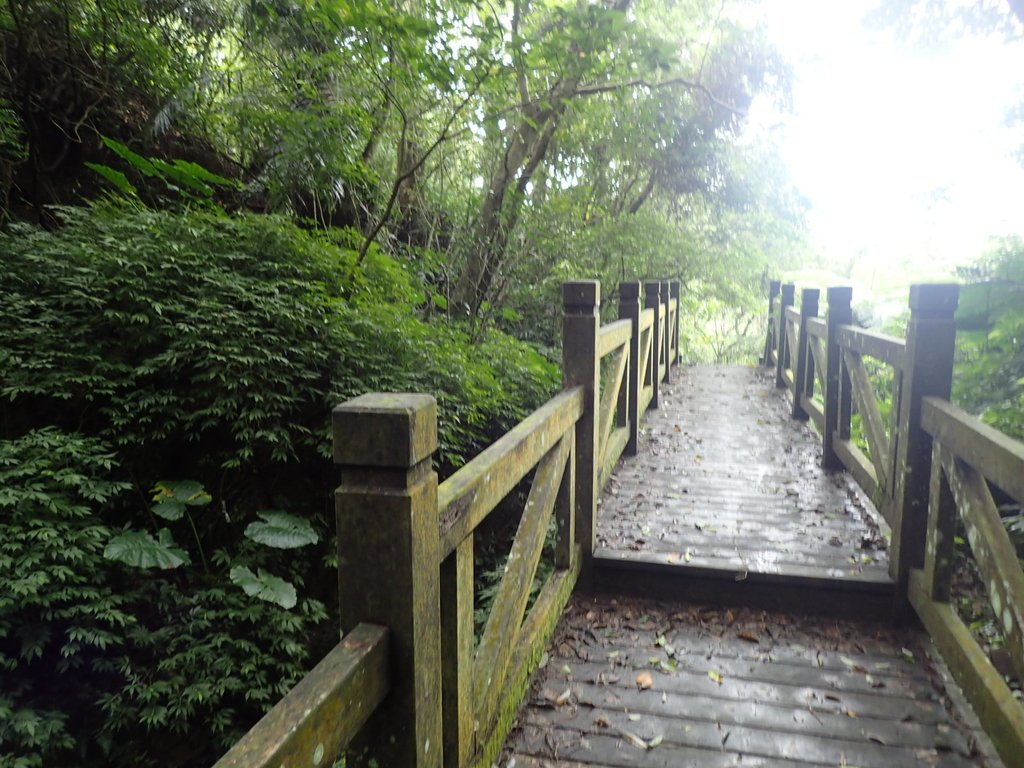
(410, 684)
(968, 456)
(822, 363)
(925, 465)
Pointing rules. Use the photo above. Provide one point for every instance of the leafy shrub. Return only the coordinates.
(137, 345)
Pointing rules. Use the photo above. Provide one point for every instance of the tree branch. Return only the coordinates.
(593, 90)
(411, 171)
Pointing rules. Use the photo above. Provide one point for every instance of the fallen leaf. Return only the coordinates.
(655, 741)
(644, 681)
(633, 739)
(634, 716)
(602, 722)
(716, 676)
(563, 697)
(750, 638)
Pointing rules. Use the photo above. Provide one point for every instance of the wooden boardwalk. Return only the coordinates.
(725, 505)
(636, 683)
(726, 494)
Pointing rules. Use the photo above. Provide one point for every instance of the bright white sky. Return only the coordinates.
(906, 158)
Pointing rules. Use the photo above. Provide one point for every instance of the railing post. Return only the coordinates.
(782, 350)
(836, 394)
(674, 333)
(928, 372)
(769, 342)
(388, 565)
(652, 300)
(629, 307)
(804, 364)
(580, 327)
(666, 296)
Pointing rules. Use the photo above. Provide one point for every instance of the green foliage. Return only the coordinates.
(104, 665)
(281, 530)
(56, 619)
(140, 549)
(989, 372)
(215, 346)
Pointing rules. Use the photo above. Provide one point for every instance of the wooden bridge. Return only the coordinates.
(729, 585)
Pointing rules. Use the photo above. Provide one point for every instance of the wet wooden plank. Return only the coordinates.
(724, 475)
(638, 683)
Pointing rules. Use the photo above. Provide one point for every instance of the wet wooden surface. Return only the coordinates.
(727, 483)
(637, 683)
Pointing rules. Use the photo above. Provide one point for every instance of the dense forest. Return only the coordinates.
(219, 219)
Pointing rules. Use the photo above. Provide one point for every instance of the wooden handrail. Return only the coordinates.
(888, 349)
(613, 336)
(466, 498)
(409, 685)
(930, 464)
(817, 328)
(967, 453)
(316, 720)
(998, 457)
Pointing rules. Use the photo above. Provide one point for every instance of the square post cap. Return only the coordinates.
(934, 299)
(629, 290)
(581, 293)
(788, 292)
(652, 291)
(840, 296)
(809, 297)
(385, 429)
(674, 288)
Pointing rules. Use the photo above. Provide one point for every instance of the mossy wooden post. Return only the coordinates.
(388, 565)
(666, 343)
(581, 324)
(836, 394)
(782, 350)
(769, 342)
(674, 333)
(629, 308)
(652, 300)
(457, 643)
(928, 372)
(803, 372)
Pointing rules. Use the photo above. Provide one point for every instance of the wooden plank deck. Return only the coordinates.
(637, 683)
(725, 505)
(726, 498)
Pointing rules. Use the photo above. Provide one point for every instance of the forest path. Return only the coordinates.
(773, 644)
(726, 498)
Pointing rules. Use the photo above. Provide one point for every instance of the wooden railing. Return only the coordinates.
(410, 684)
(967, 456)
(924, 463)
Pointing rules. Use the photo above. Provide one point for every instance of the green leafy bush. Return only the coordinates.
(137, 345)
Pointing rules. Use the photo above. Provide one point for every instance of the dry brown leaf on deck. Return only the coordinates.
(633, 739)
(644, 681)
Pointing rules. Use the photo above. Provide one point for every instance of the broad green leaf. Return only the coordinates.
(140, 549)
(185, 492)
(281, 530)
(115, 177)
(136, 160)
(264, 586)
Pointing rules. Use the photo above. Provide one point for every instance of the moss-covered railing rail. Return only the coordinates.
(925, 460)
(968, 456)
(410, 684)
